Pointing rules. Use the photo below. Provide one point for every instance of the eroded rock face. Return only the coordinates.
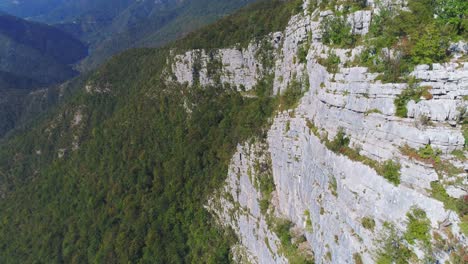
(238, 67)
(360, 21)
(326, 195)
(338, 193)
(237, 206)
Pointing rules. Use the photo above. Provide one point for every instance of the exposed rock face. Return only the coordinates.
(238, 206)
(304, 172)
(326, 195)
(360, 22)
(239, 67)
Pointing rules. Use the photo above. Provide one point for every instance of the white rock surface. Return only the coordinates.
(304, 184)
(237, 206)
(360, 21)
(303, 168)
(239, 67)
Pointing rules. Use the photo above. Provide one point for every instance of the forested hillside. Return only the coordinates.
(291, 132)
(122, 170)
(37, 56)
(110, 27)
(32, 56)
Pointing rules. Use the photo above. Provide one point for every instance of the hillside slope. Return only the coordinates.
(110, 27)
(288, 132)
(121, 172)
(32, 56)
(37, 51)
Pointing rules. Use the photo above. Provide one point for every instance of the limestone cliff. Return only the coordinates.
(339, 206)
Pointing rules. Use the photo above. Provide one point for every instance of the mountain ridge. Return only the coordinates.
(284, 133)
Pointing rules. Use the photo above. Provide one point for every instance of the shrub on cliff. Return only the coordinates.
(336, 32)
(391, 171)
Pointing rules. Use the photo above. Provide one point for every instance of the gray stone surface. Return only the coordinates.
(360, 21)
(304, 169)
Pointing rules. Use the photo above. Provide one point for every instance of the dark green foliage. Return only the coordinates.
(282, 228)
(429, 153)
(394, 249)
(213, 66)
(134, 191)
(337, 32)
(264, 182)
(308, 222)
(250, 23)
(339, 143)
(332, 62)
(430, 47)
(465, 133)
(302, 52)
(463, 120)
(19, 106)
(390, 170)
(291, 96)
(453, 13)
(417, 36)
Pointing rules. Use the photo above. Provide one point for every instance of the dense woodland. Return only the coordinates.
(134, 190)
(32, 56)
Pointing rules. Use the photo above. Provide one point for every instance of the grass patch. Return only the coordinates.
(333, 185)
(368, 223)
(290, 98)
(390, 170)
(465, 132)
(459, 154)
(429, 155)
(418, 227)
(459, 205)
(282, 228)
(331, 62)
(464, 225)
(394, 249)
(373, 111)
(264, 182)
(302, 52)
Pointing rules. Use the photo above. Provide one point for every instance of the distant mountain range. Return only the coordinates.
(36, 52)
(113, 26)
(54, 48)
(32, 56)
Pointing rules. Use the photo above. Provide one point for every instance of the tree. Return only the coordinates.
(430, 47)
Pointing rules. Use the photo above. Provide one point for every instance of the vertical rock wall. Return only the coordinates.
(327, 195)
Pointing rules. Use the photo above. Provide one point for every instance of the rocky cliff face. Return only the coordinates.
(339, 207)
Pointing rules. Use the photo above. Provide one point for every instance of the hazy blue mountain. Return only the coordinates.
(113, 26)
(32, 56)
(37, 51)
